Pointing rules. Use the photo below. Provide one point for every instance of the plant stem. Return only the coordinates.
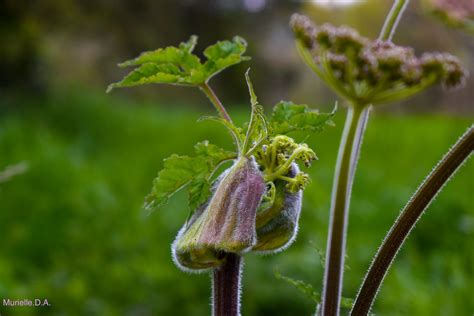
(346, 164)
(391, 22)
(226, 287)
(215, 101)
(344, 175)
(412, 212)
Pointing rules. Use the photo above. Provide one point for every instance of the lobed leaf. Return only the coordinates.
(179, 66)
(193, 172)
(289, 117)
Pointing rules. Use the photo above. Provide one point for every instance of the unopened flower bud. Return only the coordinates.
(444, 67)
(277, 225)
(226, 224)
(303, 28)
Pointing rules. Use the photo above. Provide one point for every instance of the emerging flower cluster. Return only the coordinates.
(366, 71)
(456, 12)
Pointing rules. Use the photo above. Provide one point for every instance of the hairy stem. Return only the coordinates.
(226, 287)
(215, 101)
(412, 212)
(346, 164)
(391, 22)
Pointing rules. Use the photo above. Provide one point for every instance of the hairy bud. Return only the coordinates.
(277, 225)
(226, 224)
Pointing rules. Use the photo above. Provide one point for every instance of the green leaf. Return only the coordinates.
(177, 172)
(224, 54)
(214, 154)
(198, 193)
(309, 291)
(179, 66)
(305, 288)
(289, 117)
(193, 172)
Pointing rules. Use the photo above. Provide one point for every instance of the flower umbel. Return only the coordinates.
(371, 72)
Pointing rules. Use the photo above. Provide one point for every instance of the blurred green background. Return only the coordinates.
(71, 225)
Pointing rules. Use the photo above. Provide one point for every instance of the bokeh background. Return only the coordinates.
(76, 163)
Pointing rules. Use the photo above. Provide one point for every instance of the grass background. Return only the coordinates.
(72, 229)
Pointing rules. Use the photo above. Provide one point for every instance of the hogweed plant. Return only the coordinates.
(253, 206)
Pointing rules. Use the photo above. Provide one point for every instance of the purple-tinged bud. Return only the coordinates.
(325, 36)
(303, 28)
(226, 224)
(444, 67)
(338, 64)
(411, 72)
(277, 226)
(347, 41)
(391, 58)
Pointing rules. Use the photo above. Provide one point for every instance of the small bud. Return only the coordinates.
(324, 36)
(226, 224)
(348, 41)
(303, 28)
(444, 67)
(277, 226)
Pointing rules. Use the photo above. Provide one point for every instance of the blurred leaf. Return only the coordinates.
(12, 171)
(194, 172)
(179, 66)
(309, 290)
(289, 117)
(305, 288)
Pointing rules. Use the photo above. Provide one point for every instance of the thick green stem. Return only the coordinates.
(346, 164)
(226, 287)
(391, 22)
(397, 235)
(215, 101)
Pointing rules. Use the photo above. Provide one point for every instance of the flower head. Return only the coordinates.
(370, 72)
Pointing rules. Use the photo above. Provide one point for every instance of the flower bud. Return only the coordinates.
(226, 224)
(303, 28)
(445, 67)
(277, 225)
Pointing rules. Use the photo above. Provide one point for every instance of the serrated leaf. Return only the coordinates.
(198, 193)
(179, 66)
(193, 172)
(309, 291)
(177, 172)
(305, 288)
(289, 117)
(224, 54)
(213, 152)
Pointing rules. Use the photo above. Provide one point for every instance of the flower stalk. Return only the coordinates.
(348, 155)
(343, 178)
(407, 219)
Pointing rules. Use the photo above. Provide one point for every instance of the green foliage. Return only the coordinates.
(90, 164)
(288, 117)
(305, 288)
(309, 291)
(179, 66)
(194, 172)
